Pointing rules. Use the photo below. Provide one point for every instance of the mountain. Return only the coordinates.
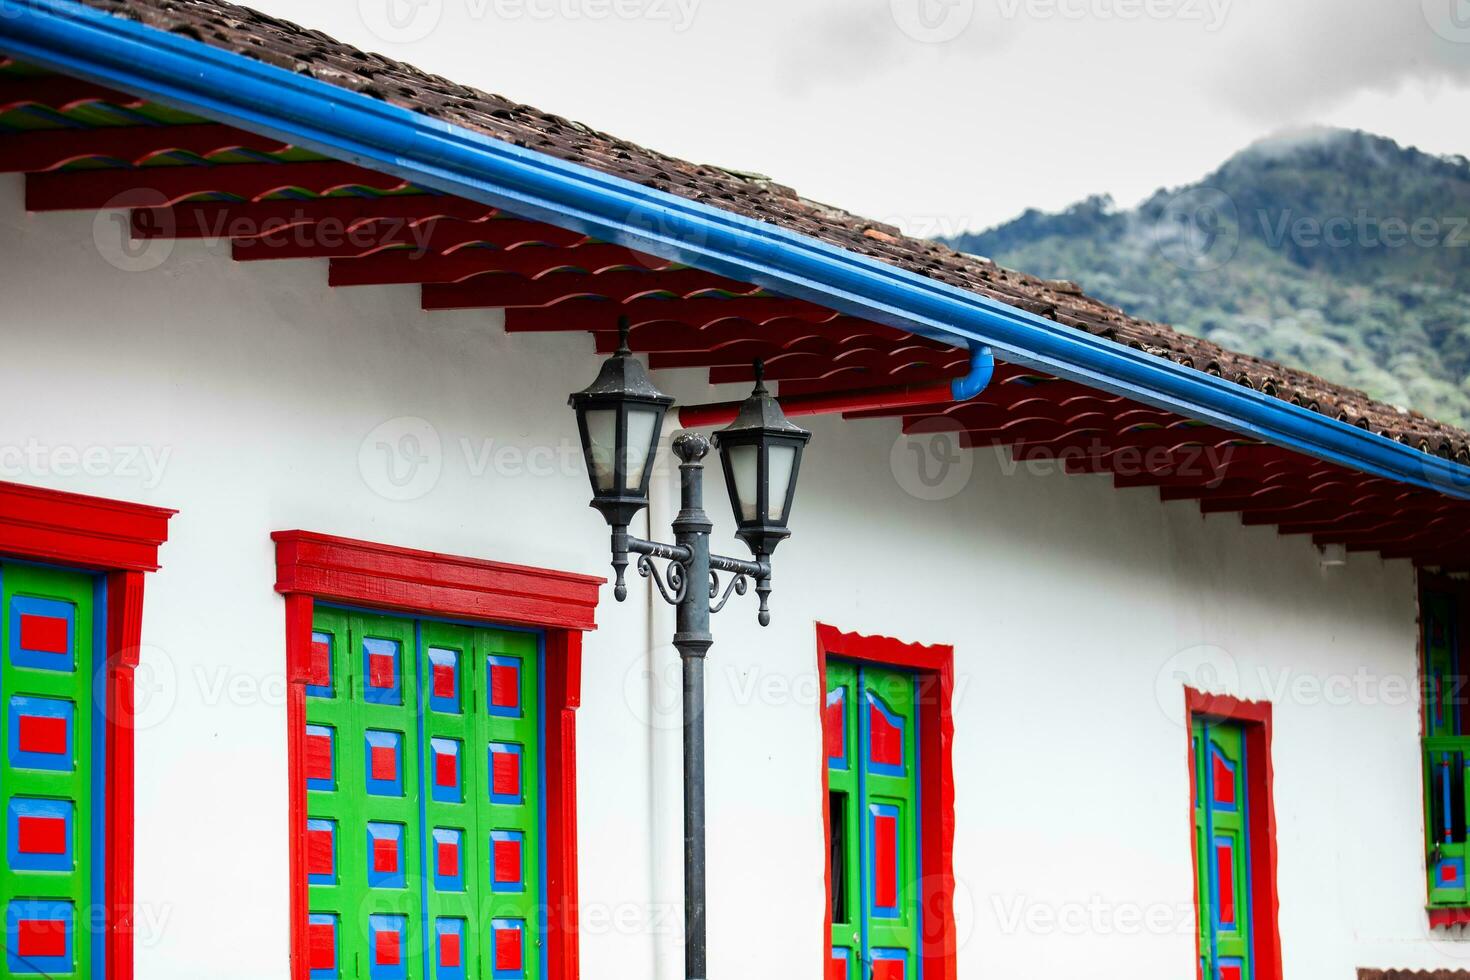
(1331, 250)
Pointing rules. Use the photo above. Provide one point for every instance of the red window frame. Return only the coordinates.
(1254, 718)
(119, 540)
(938, 944)
(312, 566)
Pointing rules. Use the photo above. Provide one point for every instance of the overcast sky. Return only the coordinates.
(946, 115)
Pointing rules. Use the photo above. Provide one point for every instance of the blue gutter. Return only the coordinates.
(65, 36)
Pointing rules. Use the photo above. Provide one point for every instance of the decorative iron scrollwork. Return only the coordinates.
(677, 583)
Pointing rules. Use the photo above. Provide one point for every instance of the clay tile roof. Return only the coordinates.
(297, 49)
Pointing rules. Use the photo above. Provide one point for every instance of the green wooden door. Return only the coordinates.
(871, 737)
(1222, 850)
(423, 800)
(1446, 752)
(48, 762)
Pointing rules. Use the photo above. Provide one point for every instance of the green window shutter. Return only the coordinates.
(871, 726)
(47, 770)
(1446, 752)
(1222, 849)
(423, 800)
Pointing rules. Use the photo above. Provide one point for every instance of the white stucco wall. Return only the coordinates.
(1073, 607)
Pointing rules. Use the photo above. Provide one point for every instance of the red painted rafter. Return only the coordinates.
(59, 92)
(160, 186)
(250, 219)
(47, 149)
(404, 239)
(583, 314)
(620, 287)
(414, 265)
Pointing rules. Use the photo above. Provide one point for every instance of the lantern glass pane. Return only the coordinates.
(602, 439)
(641, 423)
(781, 460)
(744, 463)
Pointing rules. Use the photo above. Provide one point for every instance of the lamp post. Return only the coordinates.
(619, 417)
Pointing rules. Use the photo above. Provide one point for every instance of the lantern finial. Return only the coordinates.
(624, 327)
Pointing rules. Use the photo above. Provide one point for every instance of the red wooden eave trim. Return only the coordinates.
(74, 529)
(939, 943)
(1255, 719)
(388, 577)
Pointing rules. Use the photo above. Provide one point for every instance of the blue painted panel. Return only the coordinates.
(382, 672)
(385, 857)
(49, 708)
(22, 656)
(37, 813)
(55, 920)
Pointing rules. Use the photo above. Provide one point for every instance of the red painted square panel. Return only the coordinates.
(45, 735)
(319, 852)
(446, 769)
(318, 757)
(505, 686)
(322, 941)
(321, 665)
(1224, 780)
(506, 777)
(443, 681)
(40, 938)
(507, 862)
(385, 856)
(41, 835)
(448, 858)
(385, 948)
(508, 949)
(885, 860)
(888, 970)
(385, 762)
(380, 670)
(44, 634)
(1229, 971)
(449, 955)
(1225, 868)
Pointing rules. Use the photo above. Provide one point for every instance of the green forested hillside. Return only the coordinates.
(1336, 251)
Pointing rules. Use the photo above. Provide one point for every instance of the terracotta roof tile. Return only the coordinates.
(297, 49)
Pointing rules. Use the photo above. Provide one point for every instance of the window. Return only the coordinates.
(433, 763)
(1234, 838)
(886, 729)
(71, 587)
(1446, 746)
(424, 797)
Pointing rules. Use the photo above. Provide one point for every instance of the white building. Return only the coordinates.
(1160, 581)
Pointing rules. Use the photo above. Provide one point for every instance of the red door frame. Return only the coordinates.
(120, 541)
(1254, 718)
(317, 566)
(934, 665)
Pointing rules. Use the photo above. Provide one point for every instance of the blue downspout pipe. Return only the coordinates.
(172, 69)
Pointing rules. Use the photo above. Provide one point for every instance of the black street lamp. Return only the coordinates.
(619, 417)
